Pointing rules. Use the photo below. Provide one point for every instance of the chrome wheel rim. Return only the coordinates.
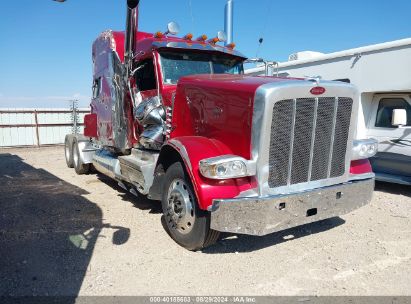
(75, 156)
(180, 211)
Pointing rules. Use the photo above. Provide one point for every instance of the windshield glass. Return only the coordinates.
(176, 65)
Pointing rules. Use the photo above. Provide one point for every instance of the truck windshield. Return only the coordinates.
(176, 65)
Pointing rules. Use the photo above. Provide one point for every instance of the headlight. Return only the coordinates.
(364, 148)
(227, 166)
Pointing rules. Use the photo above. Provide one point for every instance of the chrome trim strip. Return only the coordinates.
(355, 177)
(330, 157)
(197, 46)
(157, 63)
(310, 168)
(290, 156)
(180, 148)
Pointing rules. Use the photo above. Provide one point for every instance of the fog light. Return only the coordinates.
(371, 149)
(364, 148)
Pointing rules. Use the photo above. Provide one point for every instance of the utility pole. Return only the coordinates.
(74, 116)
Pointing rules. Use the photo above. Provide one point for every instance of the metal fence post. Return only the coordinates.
(74, 116)
(75, 119)
(37, 128)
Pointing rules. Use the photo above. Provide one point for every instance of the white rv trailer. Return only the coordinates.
(382, 73)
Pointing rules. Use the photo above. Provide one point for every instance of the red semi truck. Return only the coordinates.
(175, 119)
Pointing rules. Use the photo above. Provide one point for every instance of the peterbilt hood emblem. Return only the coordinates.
(317, 90)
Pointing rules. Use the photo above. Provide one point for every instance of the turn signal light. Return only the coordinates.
(360, 166)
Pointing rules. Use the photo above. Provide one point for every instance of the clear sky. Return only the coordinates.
(45, 46)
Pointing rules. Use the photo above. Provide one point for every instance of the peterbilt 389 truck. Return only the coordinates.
(176, 119)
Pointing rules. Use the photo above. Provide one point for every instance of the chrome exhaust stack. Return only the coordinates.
(228, 21)
(130, 38)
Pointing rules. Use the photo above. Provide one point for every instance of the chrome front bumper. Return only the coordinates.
(264, 215)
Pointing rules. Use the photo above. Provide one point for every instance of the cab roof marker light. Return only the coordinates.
(231, 46)
(202, 38)
(189, 36)
(213, 40)
(159, 35)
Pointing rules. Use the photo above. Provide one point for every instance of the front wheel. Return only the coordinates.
(186, 223)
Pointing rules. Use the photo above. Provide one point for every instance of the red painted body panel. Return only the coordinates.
(119, 42)
(219, 107)
(197, 148)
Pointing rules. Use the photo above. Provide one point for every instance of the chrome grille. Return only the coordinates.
(281, 129)
(304, 121)
(308, 140)
(323, 135)
(342, 128)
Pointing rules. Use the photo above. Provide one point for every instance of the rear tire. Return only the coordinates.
(186, 223)
(68, 153)
(79, 166)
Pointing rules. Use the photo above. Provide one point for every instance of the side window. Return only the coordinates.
(145, 76)
(96, 87)
(385, 108)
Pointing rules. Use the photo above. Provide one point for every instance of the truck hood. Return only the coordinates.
(219, 107)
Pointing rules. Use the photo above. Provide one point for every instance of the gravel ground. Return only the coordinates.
(63, 234)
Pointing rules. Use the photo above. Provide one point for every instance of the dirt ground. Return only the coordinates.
(63, 234)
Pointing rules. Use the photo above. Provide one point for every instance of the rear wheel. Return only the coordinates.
(79, 166)
(68, 153)
(186, 223)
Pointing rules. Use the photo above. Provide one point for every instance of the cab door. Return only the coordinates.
(394, 143)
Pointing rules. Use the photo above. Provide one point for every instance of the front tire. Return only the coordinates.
(79, 166)
(186, 223)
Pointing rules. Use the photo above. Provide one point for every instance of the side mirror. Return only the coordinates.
(222, 36)
(172, 28)
(399, 117)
